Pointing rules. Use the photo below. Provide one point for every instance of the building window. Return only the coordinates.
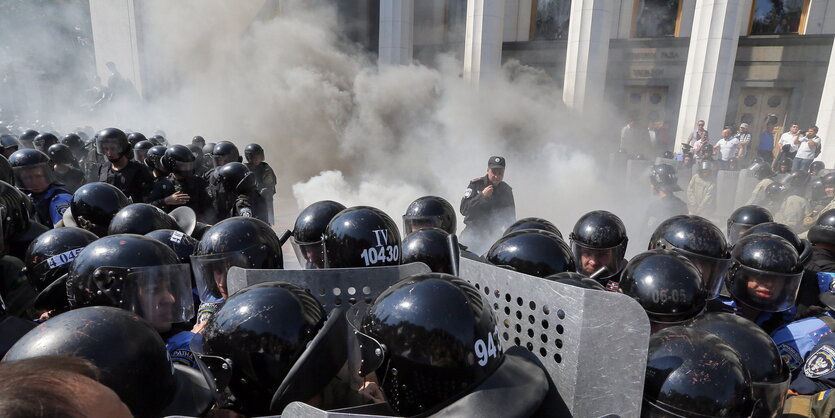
(550, 18)
(655, 18)
(778, 16)
(456, 21)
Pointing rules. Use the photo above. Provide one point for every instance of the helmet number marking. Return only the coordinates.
(388, 253)
(668, 295)
(486, 350)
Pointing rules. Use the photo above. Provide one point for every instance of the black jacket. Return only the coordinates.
(134, 180)
(484, 213)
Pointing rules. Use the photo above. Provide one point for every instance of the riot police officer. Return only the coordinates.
(189, 190)
(74, 142)
(93, 207)
(34, 174)
(795, 206)
(599, 241)
(743, 218)
(488, 206)
(8, 145)
(433, 247)
(664, 183)
(533, 252)
(140, 151)
(361, 236)
(308, 230)
(223, 152)
(127, 175)
(199, 165)
(43, 141)
(264, 175)
(236, 193)
(66, 167)
(27, 138)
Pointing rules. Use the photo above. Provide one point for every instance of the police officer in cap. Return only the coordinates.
(34, 174)
(488, 206)
(129, 176)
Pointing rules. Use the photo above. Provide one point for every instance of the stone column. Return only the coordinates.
(710, 66)
(587, 54)
(115, 39)
(826, 115)
(397, 21)
(483, 41)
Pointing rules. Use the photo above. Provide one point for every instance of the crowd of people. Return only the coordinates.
(117, 248)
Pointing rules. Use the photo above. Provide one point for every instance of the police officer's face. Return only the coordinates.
(159, 304)
(495, 175)
(591, 260)
(765, 288)
(110, 151)
(829, 190)
(34, 179)
(314, 256)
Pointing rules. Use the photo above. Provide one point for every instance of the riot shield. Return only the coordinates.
(592, 343)
(726, 189)
(744, 186)
(332, 287)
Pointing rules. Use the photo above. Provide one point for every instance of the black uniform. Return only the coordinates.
(821, 261)
(162, 188)
(199, 200)
(134, 180)
(486, 217)
(72, 179)
(266, 180)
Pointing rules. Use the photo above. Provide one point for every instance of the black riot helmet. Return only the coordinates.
(664, 177)
(762, 170)
(802, 246)
(198, 141)
(263, 330)
(236, 178)
(817, 191)
(692, 372)
(310, 228)
(32, 170)
(743, 218)
(433, 247)
(43, 141)
(244, 242)
(598, 240)
(797, 182)
(8, 145)
(700, 241)
(27, 138)
(765, 273)
(158, 140)
(153, 158)
(141, 218)
(129, 353)
(225, 152)
(448, 319)
(6, 173)
(253, 150)
(774, 192)
(207, 149)
(429, 212)
(667, 285)
(50, 254)
(140, 150)
(179, 160)
(61, 154)
(770, 376)
(135, 273)
(829, 179)
(816, 167)
(533, 223)
(533, 252)
(182, 243)
(112, 139)
(135, 138)
(823, 231)
(94, 205)
(14, 214)
(361, 236)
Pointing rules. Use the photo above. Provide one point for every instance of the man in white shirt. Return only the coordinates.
(727, 147)
(744, 139)
(807, 149)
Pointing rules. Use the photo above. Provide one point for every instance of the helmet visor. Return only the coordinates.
(764, 290)
(771, 396)
(712, 270)
(103, 147)
(735, 231)
(210, 273)
(221, 160)
(140, 155)
(34, 178)
(590, 260)
(416, 223)
(365, 353)
(311, 255)
(160, 294)
(184, 166)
